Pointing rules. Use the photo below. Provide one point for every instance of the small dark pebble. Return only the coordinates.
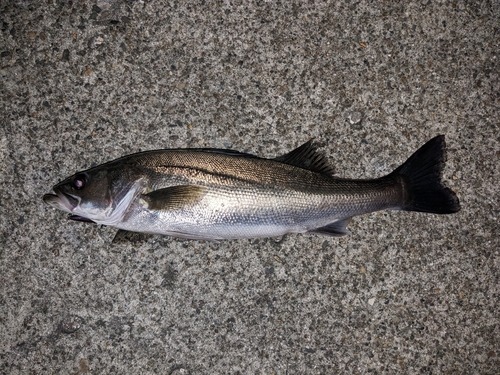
(355, 119)
(71, 324)
(175, 124)
(65, 55)
(169, 278)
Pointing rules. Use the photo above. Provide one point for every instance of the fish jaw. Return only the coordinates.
(61, 201)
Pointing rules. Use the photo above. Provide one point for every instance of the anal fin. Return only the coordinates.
(336, 229)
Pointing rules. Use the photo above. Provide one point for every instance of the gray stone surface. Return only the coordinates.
(85, 82)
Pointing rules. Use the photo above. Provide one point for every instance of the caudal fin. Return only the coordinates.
(421, 174)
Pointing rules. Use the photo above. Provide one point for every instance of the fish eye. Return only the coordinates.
(79, 181)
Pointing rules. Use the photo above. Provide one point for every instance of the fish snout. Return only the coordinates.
(61, 201)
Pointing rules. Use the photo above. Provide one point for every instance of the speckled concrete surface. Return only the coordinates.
(84, 82)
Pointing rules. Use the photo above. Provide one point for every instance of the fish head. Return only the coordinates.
(85, 195)
(98, 195)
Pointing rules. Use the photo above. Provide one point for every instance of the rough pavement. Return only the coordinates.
(85, 82)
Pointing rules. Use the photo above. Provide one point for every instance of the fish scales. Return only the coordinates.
(279, 193)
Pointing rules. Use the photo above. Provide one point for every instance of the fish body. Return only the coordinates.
(223, 194)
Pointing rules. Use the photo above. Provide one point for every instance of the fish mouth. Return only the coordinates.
(62, 201)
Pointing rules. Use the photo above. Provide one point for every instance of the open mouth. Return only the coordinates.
(66, 203)
(61, 201)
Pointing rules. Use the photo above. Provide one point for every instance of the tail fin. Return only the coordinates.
(422, 179)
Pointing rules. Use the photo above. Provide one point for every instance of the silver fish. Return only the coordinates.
(223, 194)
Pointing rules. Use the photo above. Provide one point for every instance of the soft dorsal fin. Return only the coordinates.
(174, 197)
(307, 157)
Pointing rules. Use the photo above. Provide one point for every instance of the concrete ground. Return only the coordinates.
(84, 82)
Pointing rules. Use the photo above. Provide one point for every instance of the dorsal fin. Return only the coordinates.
(224, 152)
(307, 157)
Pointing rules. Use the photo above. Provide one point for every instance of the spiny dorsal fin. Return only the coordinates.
(174, 197)
(224, 152)
(307, 157)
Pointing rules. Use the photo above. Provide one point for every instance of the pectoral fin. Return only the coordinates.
(335, 229)
(174, 197)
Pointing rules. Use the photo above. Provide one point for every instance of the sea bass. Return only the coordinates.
(216, 194)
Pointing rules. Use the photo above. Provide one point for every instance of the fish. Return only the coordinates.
(217, 194)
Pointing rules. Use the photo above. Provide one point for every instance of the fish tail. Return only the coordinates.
(421, 175)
